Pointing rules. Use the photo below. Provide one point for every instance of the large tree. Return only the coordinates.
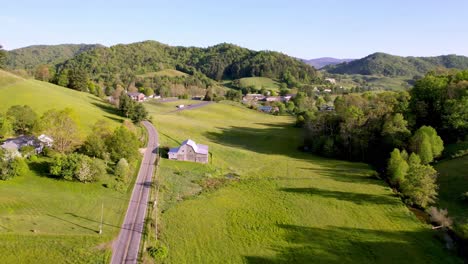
(22, 118)
(397, 167)
(427, 144)
(63, 129)
(3, 55)
(123, 144)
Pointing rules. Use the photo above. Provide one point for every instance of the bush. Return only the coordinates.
(158, 252)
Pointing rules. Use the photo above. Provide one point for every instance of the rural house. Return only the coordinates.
(14, 145)
(139, 97)
(190, 151)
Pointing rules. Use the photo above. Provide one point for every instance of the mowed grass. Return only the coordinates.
(453, 181)
(259, 83)
(284, 206)
(44, 220)
(43, 96)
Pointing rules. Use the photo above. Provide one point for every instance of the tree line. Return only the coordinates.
(400, 133)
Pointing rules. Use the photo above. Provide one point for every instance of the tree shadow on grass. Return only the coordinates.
(355, 245)
(273, 139)
(108, 109)
(357, 198)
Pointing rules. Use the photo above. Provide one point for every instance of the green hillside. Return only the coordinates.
(260, 200)
(32, 56)
(222, 61)
(45, 220)
(390, 65)
(42, 96)
(259, 83)
(167, 72)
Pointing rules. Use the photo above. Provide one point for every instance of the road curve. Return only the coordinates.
(125, 248)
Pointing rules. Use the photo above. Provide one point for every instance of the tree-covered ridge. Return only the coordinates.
(121, 63)
(390, 65)
(30, 57)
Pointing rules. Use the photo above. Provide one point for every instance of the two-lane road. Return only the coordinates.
(125, 248)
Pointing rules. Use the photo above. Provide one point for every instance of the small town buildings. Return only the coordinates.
(14, 145)
(190, 151)
(253, 97)
(138, 97)
(180, 106)
(327, 90)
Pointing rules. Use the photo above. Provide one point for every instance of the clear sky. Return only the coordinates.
(305, 29)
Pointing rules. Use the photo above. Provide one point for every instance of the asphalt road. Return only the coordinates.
(193, 106)
(125, 248)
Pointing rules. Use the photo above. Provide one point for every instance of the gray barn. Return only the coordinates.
(190, 151)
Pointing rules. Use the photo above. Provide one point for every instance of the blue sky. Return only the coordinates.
(305, 29)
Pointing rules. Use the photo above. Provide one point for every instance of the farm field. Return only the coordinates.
(260, 200)
(453, 181)
(44, 220)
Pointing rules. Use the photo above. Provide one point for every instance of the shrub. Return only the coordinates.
(158, 252)
(440, 217)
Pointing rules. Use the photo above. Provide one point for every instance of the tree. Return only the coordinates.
(6, 129)
(78, 79)
(3, 56)
(63, 129)
(395, 130)
(440, 217)
(397, 167)
(148, 91)
(427, 144)
(122, 170)
(209, 96)
(139, 113)
(122, 144)
(419, 185)
(95, 144)
(234, 95)
(22, 118)
(126, 105)
(77, 166)
(42, 73)
(10, 168)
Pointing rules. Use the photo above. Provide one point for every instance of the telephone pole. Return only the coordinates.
(102, 216)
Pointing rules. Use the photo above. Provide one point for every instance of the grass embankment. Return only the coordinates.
(453, 181)
(279, 205)
(44, 220)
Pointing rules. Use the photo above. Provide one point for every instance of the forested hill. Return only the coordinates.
(223, 61)
(390, 65)
(30, 57)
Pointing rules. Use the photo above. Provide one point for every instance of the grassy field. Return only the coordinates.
(44, 220)
(260, 200)
(259, 83)
(453, 181)
(167, 72)
(42, 96)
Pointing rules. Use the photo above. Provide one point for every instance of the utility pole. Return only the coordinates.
(102, 216)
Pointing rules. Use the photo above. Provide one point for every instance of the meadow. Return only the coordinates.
(453, 181)
(46, 220)
(259, 83)
(261, 200)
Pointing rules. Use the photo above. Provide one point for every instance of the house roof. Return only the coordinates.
(134, 94)
(18, 142)
(198, 148)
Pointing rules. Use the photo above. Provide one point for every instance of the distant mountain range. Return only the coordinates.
(391, 65)
(325, 61)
